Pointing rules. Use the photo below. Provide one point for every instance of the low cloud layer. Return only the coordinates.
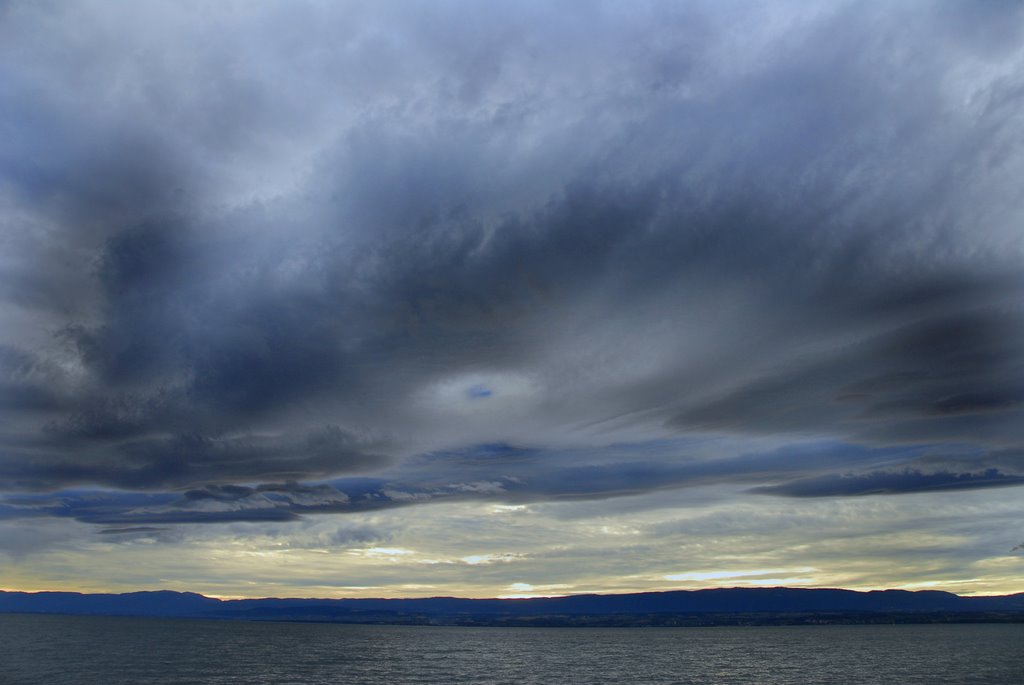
(504, 475)
(422, 252)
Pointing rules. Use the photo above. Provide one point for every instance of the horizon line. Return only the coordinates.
(232, 598)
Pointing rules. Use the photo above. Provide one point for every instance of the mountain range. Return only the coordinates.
(725, 606)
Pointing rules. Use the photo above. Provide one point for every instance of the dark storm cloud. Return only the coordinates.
(179, 461)
(271, 258)
(944, 376)
(890, 483)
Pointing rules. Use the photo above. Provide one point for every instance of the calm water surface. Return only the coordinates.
(68, 650)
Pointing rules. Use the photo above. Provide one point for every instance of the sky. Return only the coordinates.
(526, 298)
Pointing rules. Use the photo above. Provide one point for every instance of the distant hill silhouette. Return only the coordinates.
(696, 607)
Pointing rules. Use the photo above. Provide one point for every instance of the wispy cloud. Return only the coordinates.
(342, 259)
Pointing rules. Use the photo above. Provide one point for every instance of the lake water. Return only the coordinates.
(70, 650)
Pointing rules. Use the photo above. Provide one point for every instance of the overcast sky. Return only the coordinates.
(415, 298)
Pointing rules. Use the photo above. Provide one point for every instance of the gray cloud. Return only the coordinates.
(347, 239)
(890, 483)
(83, 452)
